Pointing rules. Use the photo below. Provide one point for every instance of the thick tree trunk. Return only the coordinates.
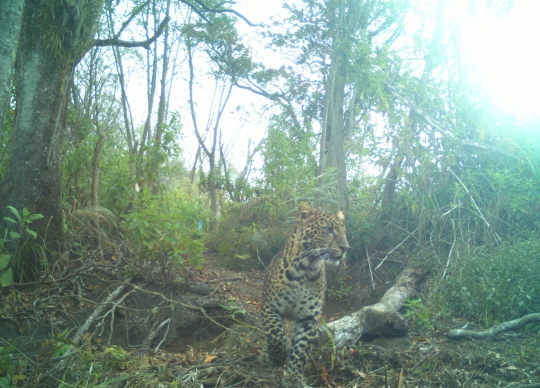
(32, 178)
(45, 64)
(10, 19)
(382, 317)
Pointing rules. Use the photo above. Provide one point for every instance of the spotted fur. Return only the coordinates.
(295, 286)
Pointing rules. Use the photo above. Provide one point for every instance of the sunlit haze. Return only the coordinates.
(500, 48)
(506, 53)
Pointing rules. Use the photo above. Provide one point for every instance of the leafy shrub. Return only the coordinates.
(21, 242)
(497, 284)
(167, 228)
(249, 234)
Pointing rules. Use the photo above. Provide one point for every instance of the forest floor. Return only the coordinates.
(150, 331)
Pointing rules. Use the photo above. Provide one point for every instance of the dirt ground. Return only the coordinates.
(423, 358)
(204, 332)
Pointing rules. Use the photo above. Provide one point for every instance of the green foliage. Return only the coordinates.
(233, 309)
(4, 383)
(115, 357)
(5, 359)
(166, 229)
(289, 160)
(340, 291)
(418, 313)
(495, 284)
(16, 244)
(251, 233)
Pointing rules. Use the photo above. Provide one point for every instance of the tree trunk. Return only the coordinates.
(345, 15)
(382, 317)
(390, 183)
(95, 169)
(10, 19)
(336, 143)
(44, 72)
(163, 101)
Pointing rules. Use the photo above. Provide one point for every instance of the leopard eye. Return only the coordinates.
(328, 229)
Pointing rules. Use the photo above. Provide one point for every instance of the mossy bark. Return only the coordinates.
(53, 38)
(10, 20)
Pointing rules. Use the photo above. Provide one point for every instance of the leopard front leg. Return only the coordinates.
(275, 347)
(305, 331)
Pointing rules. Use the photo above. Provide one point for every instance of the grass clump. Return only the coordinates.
(496, 284)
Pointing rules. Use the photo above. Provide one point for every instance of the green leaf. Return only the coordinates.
(4, 261)
(31, 233)
(15, 211)
(7, 278)
(10, 220)
(33, 217)
(14, 235)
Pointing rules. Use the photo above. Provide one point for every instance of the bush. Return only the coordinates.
(167, 228)
(249, 234)
(497, 284)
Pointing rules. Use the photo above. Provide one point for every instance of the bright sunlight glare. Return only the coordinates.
(506, 54)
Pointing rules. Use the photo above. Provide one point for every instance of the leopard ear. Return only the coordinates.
(304, 210)
(340, 215)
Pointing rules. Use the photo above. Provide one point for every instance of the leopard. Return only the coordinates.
(295, 287)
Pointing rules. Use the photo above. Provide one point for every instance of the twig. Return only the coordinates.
(497, 238)
(153, 334)
(111, 311)
(396, 247)
(223, 280)
(80, 332)
(258, 257)
(164, 336)
(370, 271)
(451, 250)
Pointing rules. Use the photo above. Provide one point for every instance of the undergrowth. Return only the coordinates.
(494, 285)
(167, 228)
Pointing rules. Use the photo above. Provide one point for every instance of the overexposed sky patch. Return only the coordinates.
(505, 51)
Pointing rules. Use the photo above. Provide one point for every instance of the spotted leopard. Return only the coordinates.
(295, 286)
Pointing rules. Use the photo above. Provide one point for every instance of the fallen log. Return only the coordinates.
(495, 330)
(382, 317)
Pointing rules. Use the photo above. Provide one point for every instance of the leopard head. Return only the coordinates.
(321, 235)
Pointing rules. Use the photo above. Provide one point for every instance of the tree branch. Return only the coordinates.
(495, 330)
(218, 10)
(439, 128)
(124, 43)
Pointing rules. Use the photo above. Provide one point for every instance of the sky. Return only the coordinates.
(503, 49)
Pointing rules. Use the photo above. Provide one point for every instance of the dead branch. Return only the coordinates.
(218, 9)
(495, 330)
(84, 328)
(154, 333)
(380, 317)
